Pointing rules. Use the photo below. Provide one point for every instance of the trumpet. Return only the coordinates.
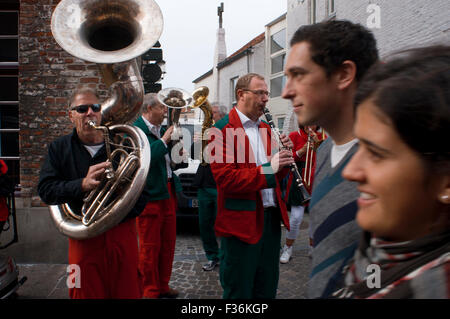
(298, 180)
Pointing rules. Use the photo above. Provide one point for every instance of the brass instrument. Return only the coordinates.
(200, 96)
(298, 180)
(176, 100)
(311, 147)
(309, 158)
(112, 34)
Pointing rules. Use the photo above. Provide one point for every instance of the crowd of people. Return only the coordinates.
(371, 150)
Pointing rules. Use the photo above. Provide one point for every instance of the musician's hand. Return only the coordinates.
(315, 138)
(167, 137)
(280, 160)
(286, 141)
(94, 176)
(303, 150)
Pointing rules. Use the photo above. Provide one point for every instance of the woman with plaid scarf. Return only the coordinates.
(402, 168)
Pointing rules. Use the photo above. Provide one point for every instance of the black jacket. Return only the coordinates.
(204, 177)
(64, 168)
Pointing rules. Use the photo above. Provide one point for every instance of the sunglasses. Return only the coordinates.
(84, 108)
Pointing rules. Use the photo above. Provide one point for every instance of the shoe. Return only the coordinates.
(172, 293)
(286, 254)
(210, 265)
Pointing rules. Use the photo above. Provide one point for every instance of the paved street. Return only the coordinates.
(48, 281)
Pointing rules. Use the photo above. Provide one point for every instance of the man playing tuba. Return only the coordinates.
(107, 264)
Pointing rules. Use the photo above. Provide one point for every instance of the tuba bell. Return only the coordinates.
(175, 100)
(112, 34)
(200, 96)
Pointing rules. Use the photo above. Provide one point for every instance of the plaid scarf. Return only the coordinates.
(382, 269)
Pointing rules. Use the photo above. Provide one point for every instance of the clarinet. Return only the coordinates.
(298, 180)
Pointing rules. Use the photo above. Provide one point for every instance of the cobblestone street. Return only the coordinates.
(48, 281)
(194, 283)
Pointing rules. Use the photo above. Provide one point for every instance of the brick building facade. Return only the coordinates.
(47, 75)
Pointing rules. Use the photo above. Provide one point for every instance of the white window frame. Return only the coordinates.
(273, 56)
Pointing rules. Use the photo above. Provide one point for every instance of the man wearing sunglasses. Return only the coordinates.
(74, 166)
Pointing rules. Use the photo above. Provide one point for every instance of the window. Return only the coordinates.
(278, 41)
(233, 82)
(277, 85)
(9, 93)
(277, 61)
(313, 9)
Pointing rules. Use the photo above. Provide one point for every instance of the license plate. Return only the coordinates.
(194, 202)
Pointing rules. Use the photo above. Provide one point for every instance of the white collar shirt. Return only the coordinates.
(251, 128)
(156, 130)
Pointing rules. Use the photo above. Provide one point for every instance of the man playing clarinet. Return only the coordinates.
(250, 206)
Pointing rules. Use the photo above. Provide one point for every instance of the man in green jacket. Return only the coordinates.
(157, 223)
(207, 201)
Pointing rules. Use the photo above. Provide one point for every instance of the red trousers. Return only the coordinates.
(4, 212)
(157, 236)
(108, 264)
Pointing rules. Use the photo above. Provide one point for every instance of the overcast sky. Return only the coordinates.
(189, 34)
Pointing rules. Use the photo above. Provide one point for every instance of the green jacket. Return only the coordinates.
(156, 186)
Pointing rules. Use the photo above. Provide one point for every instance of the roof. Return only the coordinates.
(234, 56)
(280, 18)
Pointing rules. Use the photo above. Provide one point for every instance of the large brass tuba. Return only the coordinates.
(175, 100)
(200, 96)
(111, 33)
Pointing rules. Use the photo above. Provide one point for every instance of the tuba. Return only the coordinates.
(112, 34)
(200, 96)
(175, 100)
(178, 99)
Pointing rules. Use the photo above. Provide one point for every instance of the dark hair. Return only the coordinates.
(413, 90)
(334, 41)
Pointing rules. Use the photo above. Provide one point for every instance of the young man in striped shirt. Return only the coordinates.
(324, 66)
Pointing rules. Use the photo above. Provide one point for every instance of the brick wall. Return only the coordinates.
(47, 75)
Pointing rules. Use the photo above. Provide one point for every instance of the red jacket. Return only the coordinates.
(240, 210)
(299, 138)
